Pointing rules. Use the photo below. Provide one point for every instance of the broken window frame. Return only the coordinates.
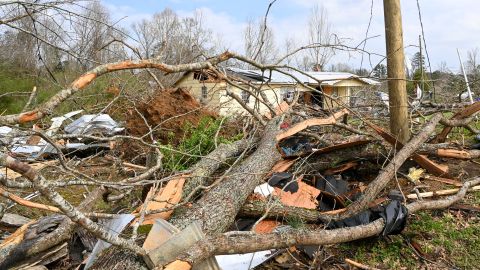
(287, 93)
(204, 92)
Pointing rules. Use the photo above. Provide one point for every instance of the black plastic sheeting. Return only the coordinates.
(283, 180)
(331, 185)
(476, 145)
(296, 146)
(394, 213)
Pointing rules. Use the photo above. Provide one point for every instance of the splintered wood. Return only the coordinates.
(429, 165)
(167, 197)
(305, 197)
(466, 112)
(312, 122)
(11, 174)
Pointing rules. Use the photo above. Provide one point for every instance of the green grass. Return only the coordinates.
(92, 98)
(455, 239)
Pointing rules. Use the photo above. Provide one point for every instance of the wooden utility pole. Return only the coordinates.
(397, 87)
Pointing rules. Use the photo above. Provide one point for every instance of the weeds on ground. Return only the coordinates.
(197, 142)
(444, 237)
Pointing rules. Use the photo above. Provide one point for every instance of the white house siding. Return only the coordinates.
(217, 99)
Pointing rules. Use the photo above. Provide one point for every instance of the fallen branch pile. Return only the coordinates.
(324, 168)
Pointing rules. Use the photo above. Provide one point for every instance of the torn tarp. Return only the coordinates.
(94, 124)
(295, 146)
(394, 214)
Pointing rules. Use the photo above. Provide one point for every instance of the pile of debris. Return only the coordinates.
(238, 206)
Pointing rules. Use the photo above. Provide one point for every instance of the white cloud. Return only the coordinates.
(225, 26)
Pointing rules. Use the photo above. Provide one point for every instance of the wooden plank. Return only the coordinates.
(422, 160)
(443, 180)
(167, 197)
(439, 193)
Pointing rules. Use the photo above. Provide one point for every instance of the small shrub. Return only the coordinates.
(197, 142)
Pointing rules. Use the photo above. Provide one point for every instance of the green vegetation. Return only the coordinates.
(443, 237)
(197, 142)
(18, 83)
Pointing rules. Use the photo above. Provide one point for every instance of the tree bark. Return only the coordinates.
(212, 162)
(217, 209)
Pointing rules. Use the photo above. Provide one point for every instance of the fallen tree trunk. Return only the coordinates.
(217, 209)
(243, 242)
(212, 162)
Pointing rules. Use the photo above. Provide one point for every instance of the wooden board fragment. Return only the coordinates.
(466, 112)
(422, 160)
(281, 108)
(443, 180)
(439, 193)
(305, 197)
(452, 153)
(167, 197)
(311, 122)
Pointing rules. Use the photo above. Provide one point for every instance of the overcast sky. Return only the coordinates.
(448, 24)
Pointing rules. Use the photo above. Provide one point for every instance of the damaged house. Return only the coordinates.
(277, 87)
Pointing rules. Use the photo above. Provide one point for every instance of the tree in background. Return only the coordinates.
(380, 71)
(259, 42)
(319, 34)
(419, 75)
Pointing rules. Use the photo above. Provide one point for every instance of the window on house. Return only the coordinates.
(287, 94)
(204, 92)
(335, 92)
(245, 96)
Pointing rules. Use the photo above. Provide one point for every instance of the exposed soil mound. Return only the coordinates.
(167, 113)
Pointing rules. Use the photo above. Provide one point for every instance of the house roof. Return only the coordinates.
(273, 76)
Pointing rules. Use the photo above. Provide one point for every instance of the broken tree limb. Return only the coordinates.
(88, 77)
(389, 171)
(246, 242)
(460, 154)
(216, 217)
(68, 209)
(27, 203)
(359, 265)
(312, 122)
(422, 160)
(204, 169)
(34, 239)
(464, 113)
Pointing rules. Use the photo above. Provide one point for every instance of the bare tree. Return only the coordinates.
(259, 42)
(319, 34)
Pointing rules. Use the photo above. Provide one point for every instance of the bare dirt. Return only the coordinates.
(167, 113)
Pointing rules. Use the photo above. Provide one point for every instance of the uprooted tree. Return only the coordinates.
(217, 188)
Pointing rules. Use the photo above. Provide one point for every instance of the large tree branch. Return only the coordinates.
(88, 77)
(246, 242)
